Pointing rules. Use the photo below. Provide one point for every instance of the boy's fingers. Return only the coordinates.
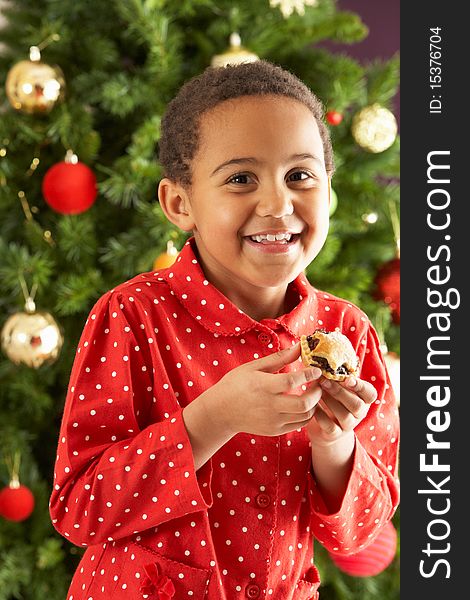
(354, 396)
(326, 423)
(365, 390)
(289, 381)
(275, 361)
(298, 405)
(343, 417)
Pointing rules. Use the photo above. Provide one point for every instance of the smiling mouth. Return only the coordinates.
(274, 238)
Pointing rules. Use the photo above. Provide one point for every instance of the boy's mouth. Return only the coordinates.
(273, 238)
(273, 242)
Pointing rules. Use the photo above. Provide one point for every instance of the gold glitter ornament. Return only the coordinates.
(374, 128)
(34, 87)
(31, 338)
(235, 54)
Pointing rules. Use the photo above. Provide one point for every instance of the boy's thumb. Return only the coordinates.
(275, 361)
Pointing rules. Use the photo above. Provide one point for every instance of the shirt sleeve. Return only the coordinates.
(118, 470)
(372, 493)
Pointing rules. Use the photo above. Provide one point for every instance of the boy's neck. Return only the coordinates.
(257, 302)
(269, 304)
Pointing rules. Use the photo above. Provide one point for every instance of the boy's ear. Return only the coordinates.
(174, 201)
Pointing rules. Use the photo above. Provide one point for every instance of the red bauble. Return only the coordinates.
(387, 283)
(372, 560)
(69, 188)
(16, 502)
(334, 117)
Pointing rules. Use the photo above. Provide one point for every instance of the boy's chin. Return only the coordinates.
(275, 280)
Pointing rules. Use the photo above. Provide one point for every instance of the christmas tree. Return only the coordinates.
(83, 88)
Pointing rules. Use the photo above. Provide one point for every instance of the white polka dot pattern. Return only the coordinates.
(125, 487)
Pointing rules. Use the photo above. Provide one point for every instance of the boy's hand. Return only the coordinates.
(253, 398)
(344, 405)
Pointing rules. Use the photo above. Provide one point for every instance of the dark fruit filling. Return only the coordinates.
(319, 361)
(312, 342)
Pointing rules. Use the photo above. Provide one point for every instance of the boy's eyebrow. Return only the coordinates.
(255, 161)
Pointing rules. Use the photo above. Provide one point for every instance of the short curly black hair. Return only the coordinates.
(179, 140)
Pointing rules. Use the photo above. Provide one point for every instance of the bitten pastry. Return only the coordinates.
(331, 351)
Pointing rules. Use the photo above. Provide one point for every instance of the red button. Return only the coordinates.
(263, 500)
(252, 591)
(264, 338)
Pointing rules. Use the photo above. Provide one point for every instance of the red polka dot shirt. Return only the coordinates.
(125, 487)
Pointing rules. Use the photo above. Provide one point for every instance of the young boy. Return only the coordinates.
(197, 457)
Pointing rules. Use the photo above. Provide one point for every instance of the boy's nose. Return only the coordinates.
(277, 201)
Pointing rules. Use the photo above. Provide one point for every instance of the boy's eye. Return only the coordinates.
(239, 178)
(244, 177)
(299, 176)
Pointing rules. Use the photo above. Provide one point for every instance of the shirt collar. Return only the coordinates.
(218, 314)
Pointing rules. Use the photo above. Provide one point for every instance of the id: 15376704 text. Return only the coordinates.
(435, 70)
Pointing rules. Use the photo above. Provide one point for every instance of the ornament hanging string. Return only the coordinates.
(54, 37)
(13, 466)
(28, 296)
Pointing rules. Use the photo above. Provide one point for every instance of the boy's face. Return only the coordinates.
(259, 171)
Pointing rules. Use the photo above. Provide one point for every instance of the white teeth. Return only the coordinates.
(283, 236)
(270, 237)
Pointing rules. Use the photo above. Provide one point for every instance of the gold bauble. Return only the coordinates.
(374, 128)
(31, 338)
(166, 259)
(235, 54)
(33, 86)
